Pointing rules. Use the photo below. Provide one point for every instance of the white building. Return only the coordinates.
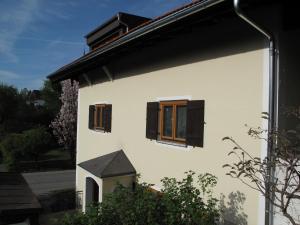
(157, 96)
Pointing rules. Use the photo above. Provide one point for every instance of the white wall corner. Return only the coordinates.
(264, 125)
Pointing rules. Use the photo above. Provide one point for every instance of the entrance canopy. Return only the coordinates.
(110, 165)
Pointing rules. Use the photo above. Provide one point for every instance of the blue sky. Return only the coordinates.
(39, 36)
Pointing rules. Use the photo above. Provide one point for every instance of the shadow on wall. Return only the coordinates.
(232, 210)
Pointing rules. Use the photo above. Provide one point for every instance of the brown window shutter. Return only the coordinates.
(195, 123)
(107, 117)
(91, 116)
(152, 120)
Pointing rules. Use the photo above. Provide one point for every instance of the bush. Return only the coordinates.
(57, 201)
(180, 203)
(185, 204)
(75, 219)
(12, 148)
(37, 142)
(27, 145)
(125, 206)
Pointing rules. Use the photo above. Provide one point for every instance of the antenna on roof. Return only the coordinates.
(83, 50)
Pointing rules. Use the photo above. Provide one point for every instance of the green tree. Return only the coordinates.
(17, 113)
(50, 93)
(9, 99)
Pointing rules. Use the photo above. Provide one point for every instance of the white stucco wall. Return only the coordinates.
(233, 89)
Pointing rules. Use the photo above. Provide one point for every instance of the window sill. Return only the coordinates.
(100, 131)
(174, 145)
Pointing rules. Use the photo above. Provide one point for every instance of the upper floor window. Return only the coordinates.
(100, 117)
(173, 120)
(176, 121)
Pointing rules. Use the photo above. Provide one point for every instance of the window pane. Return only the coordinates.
(98, 115)
(167, 125)
(102, 119)
(181, 121)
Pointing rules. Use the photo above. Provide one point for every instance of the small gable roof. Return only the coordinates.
(110, 165)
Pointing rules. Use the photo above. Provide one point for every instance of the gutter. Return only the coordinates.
(202, 5)
(273, 96)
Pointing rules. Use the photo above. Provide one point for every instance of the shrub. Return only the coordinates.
(57, 201)
(185, 204)
(180, 202)
(125, 206)
(37, 142)
(27, 145)
(73, 219)
(12, 148)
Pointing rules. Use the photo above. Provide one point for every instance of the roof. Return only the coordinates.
(146, 28)
(114, 25)
(16, 196)
(110, 165)
(115, 17)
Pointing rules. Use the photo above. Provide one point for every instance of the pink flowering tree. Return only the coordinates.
(65, 124)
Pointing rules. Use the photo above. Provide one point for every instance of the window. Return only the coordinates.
(176, 121)
(100, 117)
(173, 120)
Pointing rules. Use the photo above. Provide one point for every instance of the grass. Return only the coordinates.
(58, 154)
(55, 159)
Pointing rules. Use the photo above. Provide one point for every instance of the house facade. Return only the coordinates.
(157, 96)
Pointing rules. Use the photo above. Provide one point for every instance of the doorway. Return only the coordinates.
(91, 192)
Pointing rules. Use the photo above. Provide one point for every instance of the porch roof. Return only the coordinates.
(110, 165)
